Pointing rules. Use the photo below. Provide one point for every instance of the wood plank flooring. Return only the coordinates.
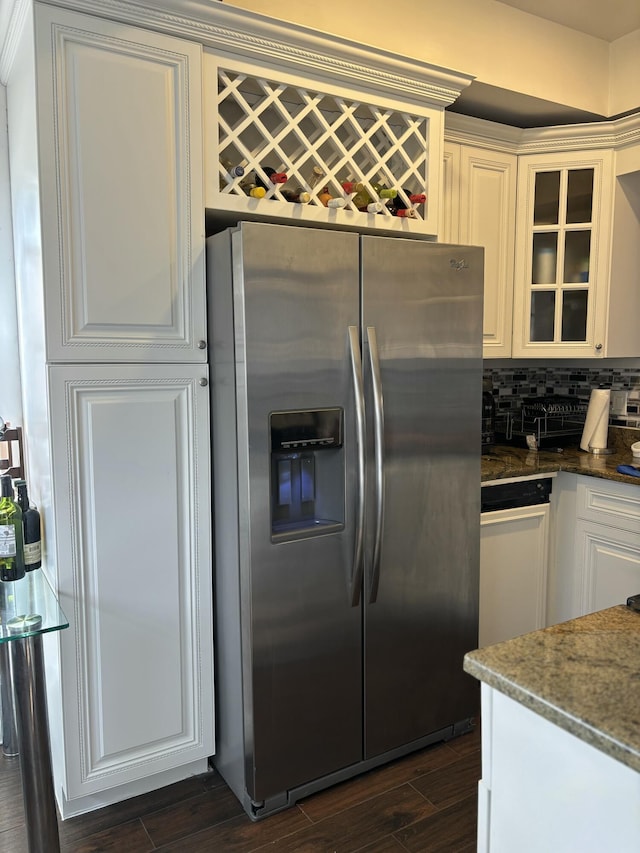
(423, 803)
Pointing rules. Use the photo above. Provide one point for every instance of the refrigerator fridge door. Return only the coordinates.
(296, 293)
(422, 319)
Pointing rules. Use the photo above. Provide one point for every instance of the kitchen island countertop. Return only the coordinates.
(508, 461)
(583, 675)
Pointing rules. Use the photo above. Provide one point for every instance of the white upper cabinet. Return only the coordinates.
(478, 207)
(120, 146)
(558, 212)
(563, 254)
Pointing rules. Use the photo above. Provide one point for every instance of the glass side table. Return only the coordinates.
(29, 609)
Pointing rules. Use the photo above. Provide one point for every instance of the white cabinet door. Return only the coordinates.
(562, 255)
(120, 147)
(514, 545)
(479, 210)
(132, 516)
(611, 565)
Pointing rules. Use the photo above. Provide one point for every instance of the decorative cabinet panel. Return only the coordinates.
(514, 550)
(478, 208)
(286, 147)
(597, 546)
(132, 501)
(611, 565)
(120, 146)
(563, 254)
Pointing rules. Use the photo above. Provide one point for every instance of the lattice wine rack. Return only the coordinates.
(283, 150)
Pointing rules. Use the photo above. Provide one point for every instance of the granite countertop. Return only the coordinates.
(582, 675)
(506, 461)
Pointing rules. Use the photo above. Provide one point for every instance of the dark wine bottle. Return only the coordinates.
(30, 529)
(11, 541)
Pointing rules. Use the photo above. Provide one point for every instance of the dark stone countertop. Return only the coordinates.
(582, 675)
(509, 461)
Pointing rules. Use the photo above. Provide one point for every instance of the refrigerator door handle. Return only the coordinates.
(378, 411)
(358, 389)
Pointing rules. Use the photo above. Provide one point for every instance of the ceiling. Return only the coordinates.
(605, 19)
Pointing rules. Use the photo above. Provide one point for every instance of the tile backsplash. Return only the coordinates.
(511, 384)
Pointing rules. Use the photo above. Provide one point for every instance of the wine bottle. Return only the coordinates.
(361, 198)
(297, 196)
(11, 540)
(231, 172)
(384, 192)
(417, 198)
(325, 196)
(30, 529)
(315, 177)
(375, 207)
(406, 213)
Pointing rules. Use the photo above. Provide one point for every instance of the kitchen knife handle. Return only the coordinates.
(358, 393)
(378, 431)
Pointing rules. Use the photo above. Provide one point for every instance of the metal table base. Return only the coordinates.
(27, 664)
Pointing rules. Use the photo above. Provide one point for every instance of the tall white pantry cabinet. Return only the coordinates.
(106, 159)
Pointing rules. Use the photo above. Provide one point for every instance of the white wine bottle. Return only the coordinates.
(11, 540)
(30, 529)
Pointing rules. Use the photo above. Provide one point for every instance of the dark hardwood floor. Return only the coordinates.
(424, 802)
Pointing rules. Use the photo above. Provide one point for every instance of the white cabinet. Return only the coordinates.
(607, 544)
(514, 547)
(569, 795)
(120, 146)
(563, 254)
(134, 571)
(478, 209)
(106, 170)
(597, 546)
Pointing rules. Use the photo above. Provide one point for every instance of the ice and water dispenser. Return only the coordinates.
(307, 473)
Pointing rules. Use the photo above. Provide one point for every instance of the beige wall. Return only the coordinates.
(501, 46)
(625, 74)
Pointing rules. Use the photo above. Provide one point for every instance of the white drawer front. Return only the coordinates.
(615, 504)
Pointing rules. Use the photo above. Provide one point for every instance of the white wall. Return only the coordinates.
(500, 46)
(10, 403)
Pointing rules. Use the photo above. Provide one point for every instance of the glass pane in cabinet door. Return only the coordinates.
(547, 198)
(579, 195)
(577, 248)
(543, 309)
(574, 315)
(545, 254)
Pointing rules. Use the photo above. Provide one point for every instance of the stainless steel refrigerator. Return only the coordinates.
(346, 407)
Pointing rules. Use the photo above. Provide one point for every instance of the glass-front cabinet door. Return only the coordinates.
(561, 256)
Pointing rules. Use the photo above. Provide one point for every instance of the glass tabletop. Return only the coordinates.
(29, 607)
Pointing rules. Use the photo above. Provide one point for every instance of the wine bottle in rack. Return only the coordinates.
(384, 192)
(324, 196)
(315, 176)
(297, 196)
(361, 197)
(231, 172)
(30, 529)
(11, 537)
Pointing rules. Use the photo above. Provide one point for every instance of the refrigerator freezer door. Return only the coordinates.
(296, 292)
(422, 307)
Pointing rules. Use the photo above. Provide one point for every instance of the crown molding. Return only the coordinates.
(10, 32)
(238, 32)
(615, 134)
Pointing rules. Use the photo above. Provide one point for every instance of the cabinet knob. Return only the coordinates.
(202, 344)
(204, 382)
(598, 347)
